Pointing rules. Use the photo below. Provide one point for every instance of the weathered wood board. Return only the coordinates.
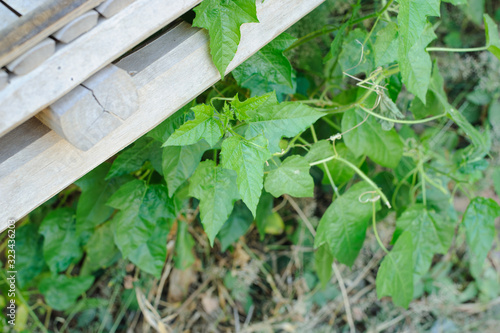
(7, 17)
(74, 63)
(47, 163)
(77, 27)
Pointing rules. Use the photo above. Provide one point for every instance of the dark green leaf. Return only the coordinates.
(223, 19)
(355, 57)
(101, 250)
(383, 147)
(395, 275)
(61, 292)
(323, 260)
(216, 189)
(337, 42)
(247, 158)
(142, 225)
(264, 209)
(29, 253)
(291, 177)
(61, 245)
(343, 226)
(479, 224)
(236, 225)
(184, 245)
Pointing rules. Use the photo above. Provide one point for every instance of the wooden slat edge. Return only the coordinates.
(32, 28)
(75, 62)
(172, 83)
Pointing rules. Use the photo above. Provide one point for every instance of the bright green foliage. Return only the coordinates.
(216, 189)
(101, 250)
(386, 45)
(61, 245)
(479, 224)
(29, 254)
(492, 37)
(236, 225)
(267, 69)
(323, 260)
(414, 36)
(203, 126)
(283, 120)
(179, 163)
(351, 59)
(431, 234)
(61, 292)
(92, 209)
(247, 158)
(383, 147)
(343, 225)
(242, 108)
(164, 130)
(292, 177)
(133, 158)
(183, 247)
(395, 275)
(222, 19)
(142, 225)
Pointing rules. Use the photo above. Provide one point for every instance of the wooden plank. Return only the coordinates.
(93, 109)
(77, 27)
(77, 61)
(164, 86)
(36, 25)
(7, 17)
(111, 7)
(32, 58)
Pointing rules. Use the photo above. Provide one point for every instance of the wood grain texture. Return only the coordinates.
(111, 7)
(32, 58)
(164, 86)
(93, 109)
(77, 27)
(77, 61)
(23, 7)
(36, 25)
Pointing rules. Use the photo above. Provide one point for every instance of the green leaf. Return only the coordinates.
(184, 245)
(179, 163)
(323, 260)
(91, 209)
(414, 36)
(203, 126)
(277, 121)
(343, 225)
(29, 253)
(492, 36)
(100, 249)
(236, 225)
(133, 158)
(223, 19)
(216, 189)
(431, 234)
(340, 172)
(142, 225)
(247, 158)
(354, 57)
(496, 180)
(291, 177)
(479, 223)
(395, 275)
(264, 209)
(268, 65)
(164, 130)
(383, 147)
(61, 245)
(61, 292)
(336, 45)
(386, 45)
(388, 109)
(242, 108)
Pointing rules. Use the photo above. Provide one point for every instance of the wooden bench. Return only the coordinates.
(36, 163)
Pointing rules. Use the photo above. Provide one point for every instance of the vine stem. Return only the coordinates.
(359, 172)
(422, 174)
(397, 121)
(446, 49)
(375, 232)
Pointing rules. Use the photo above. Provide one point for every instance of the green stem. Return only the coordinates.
(446, 49)
(359, 172)
(422, 175)
(397, 121)
(374, 222)
(332, 124)
(313, 132)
